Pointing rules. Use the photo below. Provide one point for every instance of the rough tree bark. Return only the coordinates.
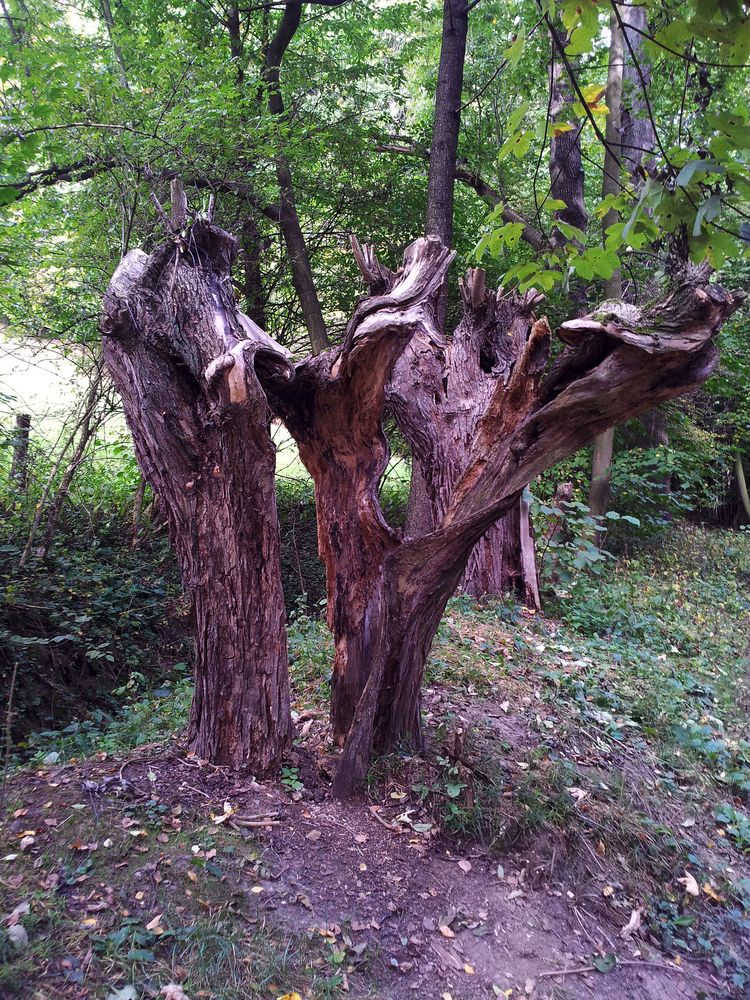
(186, 363)
(438, 392)
(440, 384)
(387, 592)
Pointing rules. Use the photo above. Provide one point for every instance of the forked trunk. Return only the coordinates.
(387, 592)
(438, 392)
(185, 361)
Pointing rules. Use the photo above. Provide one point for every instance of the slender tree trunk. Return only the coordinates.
(140, 492)
(106, 12)
(601, 467)
(742, 483)
(294, 238)
(19, 469)
(175, 344)
(89, 426)
(42, 506)
(252, 248)
(445, 129)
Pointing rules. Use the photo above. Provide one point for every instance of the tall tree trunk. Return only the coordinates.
(294, 238)
(445, 129)
(742, 483)
(601, 466)
(186, 363)
(19, 468)
(439, 387)
(252, 286)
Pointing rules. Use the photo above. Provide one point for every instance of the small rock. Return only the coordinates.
(18, 936)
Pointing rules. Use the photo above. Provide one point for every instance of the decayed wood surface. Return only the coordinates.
(199, 382)
(186, 364)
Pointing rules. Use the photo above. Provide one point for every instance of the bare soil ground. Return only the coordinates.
(403, 913)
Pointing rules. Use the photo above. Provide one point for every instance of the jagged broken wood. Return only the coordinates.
(199, 383)
(186, 364)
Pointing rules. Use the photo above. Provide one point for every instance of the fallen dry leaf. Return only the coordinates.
(465, 866)
(691, 886)
(632, 925)
(712, 893)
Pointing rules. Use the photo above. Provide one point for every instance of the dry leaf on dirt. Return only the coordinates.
(632, 925)
(465, 866)
(712, 893)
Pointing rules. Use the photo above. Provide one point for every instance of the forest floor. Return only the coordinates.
(578, 827)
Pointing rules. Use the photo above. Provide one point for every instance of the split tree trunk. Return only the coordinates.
(386, 593)
(438, 393)
(185, 362)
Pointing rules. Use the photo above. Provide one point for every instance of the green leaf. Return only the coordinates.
(604, 963)
(693, 167)
(514, 51)
(570, 232)
(140, 955)
(581, 20)
(516, 117)
(708, 211)
(517, 144)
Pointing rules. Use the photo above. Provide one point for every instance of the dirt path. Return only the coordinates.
(425, 918)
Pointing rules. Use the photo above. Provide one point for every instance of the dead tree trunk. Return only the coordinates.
(386, 593)
(438, 393)
(440, 385)
(187, 366)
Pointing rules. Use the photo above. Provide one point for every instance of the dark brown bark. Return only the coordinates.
(252, 286)
(187, 363)
(387, 592)
(447, 123)
(19, 469)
